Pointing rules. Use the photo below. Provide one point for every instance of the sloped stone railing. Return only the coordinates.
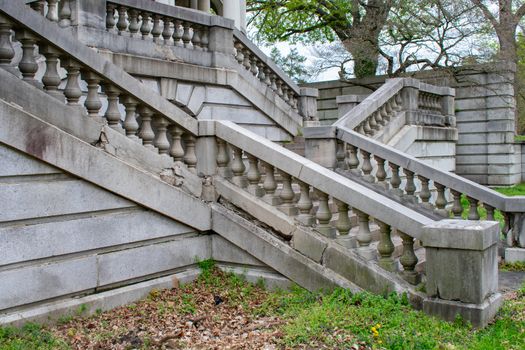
(319, 187)
(359, 156)
(58, 11)
(399, 102)
(254, 60)
(149, 119)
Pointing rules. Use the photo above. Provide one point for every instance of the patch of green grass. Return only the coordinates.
(516, 190)
(188, 304)
(29, 337)
(519, 138)
(516, 266)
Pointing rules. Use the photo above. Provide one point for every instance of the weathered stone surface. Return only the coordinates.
(309, 244)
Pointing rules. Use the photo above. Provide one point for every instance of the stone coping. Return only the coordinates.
(183, 13)
(461, 234)
(62, 39)
(450, 180)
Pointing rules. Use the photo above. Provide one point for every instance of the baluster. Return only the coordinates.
(238, 168)
(425, 194)
(385, 247)
(384, 115)
(205, 39)
(253, 65)
(399, 102)
(379, 119)
(7, 52)
(364, 236)
(367, 129)
(353, 160)
(161, 136)
(222, 159)
(166, 32)
(130, 123)
(186, 36)
(52, 10)
(395, 180)
(340, 155)
(367, 167)
(27, 65)
(361, 128)
(122, 24)
(279, 84)
(274, 84)
(146, 131)
(457, 208)
(409, 259)
(507, 225)
(254, 176)
(287, 195)
(176, 150)
(156, 32)
(324, 216)
(92, 102)
(239, 56)
(267, 76)
(410, 186)
(372, 121)
(260, 69)
(441, 201)
(51, 78)
(134, 25)
(247, 56)
(381, 173)
(190, 157)
(490, 212)
(305, 205)
(389, 110)
(473, 211)
(145, 28)
(178, 32)
(196, 40)
(65, 14)
(72, 90)
(112, 114)
(270, 186)
(343, 224)
(110, 17)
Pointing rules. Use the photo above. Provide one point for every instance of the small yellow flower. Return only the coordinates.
(374, 329)
(378, 325)
(380, 342)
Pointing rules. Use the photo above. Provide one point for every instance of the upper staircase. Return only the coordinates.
(85, 116)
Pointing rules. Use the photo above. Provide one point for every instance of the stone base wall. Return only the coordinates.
(67, 237)
(485, 114)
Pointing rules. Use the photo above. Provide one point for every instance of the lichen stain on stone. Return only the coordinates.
(37, 141)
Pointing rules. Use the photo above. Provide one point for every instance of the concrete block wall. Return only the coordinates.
(61, 236)
(484, 105)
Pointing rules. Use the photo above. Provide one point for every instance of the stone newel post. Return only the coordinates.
(462, 270)
(308, 106)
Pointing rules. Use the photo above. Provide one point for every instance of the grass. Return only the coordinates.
(335, 320)
(516, 190)
(519, 138)
(518, 266)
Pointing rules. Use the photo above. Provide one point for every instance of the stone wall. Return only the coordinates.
(485, 113)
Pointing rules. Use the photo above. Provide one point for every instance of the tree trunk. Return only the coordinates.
(365, 54)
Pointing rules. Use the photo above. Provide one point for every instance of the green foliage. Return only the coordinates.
(515, 266)
(29, 337)
(293, 64)
(516, 190)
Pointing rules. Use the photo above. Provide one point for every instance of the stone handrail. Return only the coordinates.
(419, 175)
(158, 117)
(418, 103)
(254, 60)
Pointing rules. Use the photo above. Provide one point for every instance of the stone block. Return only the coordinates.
(15, 163)
(309, 244)
(513, 255)
(224, 251)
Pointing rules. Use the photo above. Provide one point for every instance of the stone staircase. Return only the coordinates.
(87, 117)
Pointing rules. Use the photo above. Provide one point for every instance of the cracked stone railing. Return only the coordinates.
(409, 181)
(307, 192)
(77, 76)
(399, 102)
(255, 61)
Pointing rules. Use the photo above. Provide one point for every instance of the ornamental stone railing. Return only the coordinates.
(175, 26)
(399, 102)
(149, 119)
(308, 193)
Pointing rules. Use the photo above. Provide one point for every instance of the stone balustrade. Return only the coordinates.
(416, 184)
(58, 11)
(399, 102)
(89, 87)
(255, 61)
